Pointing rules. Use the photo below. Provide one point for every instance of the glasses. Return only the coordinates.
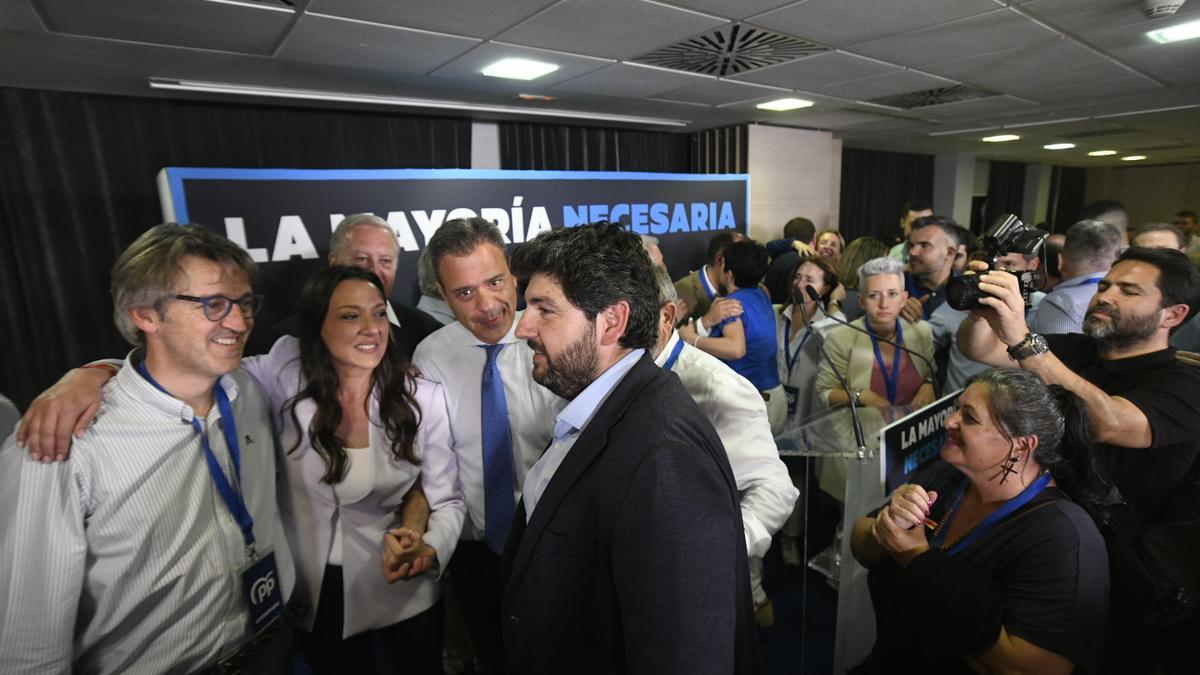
(217, 307)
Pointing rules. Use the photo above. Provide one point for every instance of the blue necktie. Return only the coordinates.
(498, 477)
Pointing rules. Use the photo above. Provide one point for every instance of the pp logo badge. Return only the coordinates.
(262, 588)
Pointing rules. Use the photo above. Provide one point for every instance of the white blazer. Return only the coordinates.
(309, 507)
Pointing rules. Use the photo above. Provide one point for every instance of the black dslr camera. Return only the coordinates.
(1007, 235)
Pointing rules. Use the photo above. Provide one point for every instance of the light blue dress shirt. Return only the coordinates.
(567, 425)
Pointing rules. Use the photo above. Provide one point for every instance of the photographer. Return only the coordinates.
(1143, 404)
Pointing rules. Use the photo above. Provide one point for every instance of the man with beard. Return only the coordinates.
(933, 247)
(1143, 405)
(628, 553)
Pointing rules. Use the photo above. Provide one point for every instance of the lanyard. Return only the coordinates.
(789, 356)
(890, 380)
(674, 355)
(1085, 282)
(232, 497)
(1006, 509)
(708, 289)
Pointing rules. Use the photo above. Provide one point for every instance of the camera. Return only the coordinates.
(1007, 235)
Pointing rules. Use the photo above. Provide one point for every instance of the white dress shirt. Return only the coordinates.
(455, 358)
(738, 413)
(437, 308)
(125, 559)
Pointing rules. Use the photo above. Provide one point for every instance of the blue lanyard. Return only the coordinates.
(890, 380)
(787, 341)
(232, 497)
(1006, 509)
(708, 289)
(674, 355)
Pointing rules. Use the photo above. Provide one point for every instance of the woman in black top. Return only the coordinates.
(988, 561)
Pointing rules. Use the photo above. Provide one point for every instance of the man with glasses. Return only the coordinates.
(158, 547)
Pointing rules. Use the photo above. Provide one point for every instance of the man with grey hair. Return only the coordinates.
(365, 240)
(431, 301)
(739, 415)
(158, 547)
(1088, 253)
(504, 419)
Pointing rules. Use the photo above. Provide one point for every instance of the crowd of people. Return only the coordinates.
(594, 479)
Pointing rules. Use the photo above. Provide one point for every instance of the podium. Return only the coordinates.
(829, 434)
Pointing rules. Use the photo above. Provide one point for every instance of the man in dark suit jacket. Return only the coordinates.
(628, 554)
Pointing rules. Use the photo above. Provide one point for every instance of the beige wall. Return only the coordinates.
(793, 172)
(1149, 193)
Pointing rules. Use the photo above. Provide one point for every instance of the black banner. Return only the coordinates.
(284, 217)
(914, 441)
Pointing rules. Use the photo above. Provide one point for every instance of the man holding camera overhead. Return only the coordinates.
(1143, 404)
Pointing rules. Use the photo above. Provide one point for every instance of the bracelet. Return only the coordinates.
(696, 342)
(112, 370)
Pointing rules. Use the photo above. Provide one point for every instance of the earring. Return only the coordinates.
(1007, 467)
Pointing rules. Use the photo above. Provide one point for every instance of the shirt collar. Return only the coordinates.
(130, 380)
(666, 350)
(392, 318)
(1079, 281)
(575, 416)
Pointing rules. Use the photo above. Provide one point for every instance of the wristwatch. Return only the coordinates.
(1032, 345)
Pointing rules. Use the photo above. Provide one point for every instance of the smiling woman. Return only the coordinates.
(993, 547)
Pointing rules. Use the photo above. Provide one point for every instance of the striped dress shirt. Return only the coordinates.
(125, 558)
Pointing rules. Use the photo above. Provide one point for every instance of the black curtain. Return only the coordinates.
(723, 150)
(876, 185)
(77, 185)
(548, 147)
(1006, 192)
(1068, 185)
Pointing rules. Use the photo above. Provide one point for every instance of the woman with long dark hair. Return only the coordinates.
(358, 429)
(988, 561)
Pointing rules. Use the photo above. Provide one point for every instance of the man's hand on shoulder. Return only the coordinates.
(62, 412)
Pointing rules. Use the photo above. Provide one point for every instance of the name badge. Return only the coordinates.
(261, 587)
(793, 396)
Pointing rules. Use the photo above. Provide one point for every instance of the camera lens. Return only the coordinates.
(962, 292)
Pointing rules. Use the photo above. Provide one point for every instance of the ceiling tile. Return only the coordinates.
(18, 16)
(832, 120)
(457, 17)
(720, 92)
(996, 31)
(469, 65)
(841, 23)
(975, 108)
(899, 82)
(1085, 16)
(627, 79)
(731, 10)
(200, 25)
(816, 70)
(318, 39)
(587, 27)
(1025, 61)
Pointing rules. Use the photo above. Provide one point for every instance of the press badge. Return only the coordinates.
(793, 396)
(261, 588)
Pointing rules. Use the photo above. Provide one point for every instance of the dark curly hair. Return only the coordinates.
(598, 265)
(1022, 405)
(393, 380)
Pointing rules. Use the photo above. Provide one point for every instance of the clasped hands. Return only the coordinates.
(899, 527)
(406, 555)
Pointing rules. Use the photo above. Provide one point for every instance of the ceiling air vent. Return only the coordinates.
(926, 97)
(733, 49)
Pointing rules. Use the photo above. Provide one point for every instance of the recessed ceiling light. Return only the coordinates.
(1002, 138)
(1132, 158)
(1101, 153)
(1183, 31)
(784, 104)
(1058, 146)
(519, 69)
(542, 98)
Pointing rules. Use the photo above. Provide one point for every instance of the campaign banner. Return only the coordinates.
(914, 440)
(284, 217)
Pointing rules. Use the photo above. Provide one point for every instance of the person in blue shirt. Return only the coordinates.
(747, 342)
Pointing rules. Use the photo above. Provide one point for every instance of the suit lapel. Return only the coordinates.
(591, 442)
